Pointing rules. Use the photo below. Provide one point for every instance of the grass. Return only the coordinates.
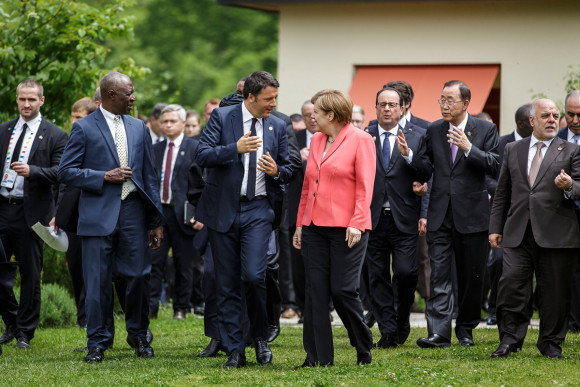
(52, 362)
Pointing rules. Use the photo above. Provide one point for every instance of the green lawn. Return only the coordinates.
(52, 361)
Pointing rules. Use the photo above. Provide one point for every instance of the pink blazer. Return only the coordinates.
(338, 188)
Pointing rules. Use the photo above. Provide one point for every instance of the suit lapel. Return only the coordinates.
(336, 144)
(180, 158)
(374, 132)
(5, 139)
(267, 135)
(237, 122)
(551, 154)
(101, 124)
(522, 154)
(159, 151)
(470, 132)
(395, 153)
(131, 139)
(40, 135)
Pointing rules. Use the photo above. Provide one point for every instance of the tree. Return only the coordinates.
(197, 50)
(60, 43)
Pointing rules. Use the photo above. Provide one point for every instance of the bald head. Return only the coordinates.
(117, 93)
(544, 118)
(572, 111)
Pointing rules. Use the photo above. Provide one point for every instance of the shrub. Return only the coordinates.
(57, 307)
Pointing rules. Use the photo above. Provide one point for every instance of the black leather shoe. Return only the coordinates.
(466, 341)
(306, 364)
(364, 358)
(95, 355)
(236, 360)
(263, 352)
(369, 319)
(131, 341)
(503, 350)
(553, 355)
(8, 336)
(23, 343)
(301, 320)
(404, 331)
(273, 332)
(491, 320)
(433, 341)
(388, 341)
(212, 349)
(142, 347)
(199, 309)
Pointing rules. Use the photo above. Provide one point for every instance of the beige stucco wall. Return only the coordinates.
(533, 41)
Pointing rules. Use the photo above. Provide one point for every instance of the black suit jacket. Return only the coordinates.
(491, 181)
(463, 182)
(45, 154)
(543, 205)
(185, 158)
(397, 179)
(419, 122)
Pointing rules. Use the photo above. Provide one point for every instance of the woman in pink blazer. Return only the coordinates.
(333, 218)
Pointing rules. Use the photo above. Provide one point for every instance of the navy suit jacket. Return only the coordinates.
(43, 159)
(89, 154)
(563, 133)
(397, 179)
(419, 122)
(462, 183)
(180, 174)
(220, 199)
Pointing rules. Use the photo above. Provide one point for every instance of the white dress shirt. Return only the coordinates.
(260, 176)
(176, 144)
(533, 149)
(461, 127)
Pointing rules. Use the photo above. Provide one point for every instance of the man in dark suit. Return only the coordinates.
(462, 150)
(109, 156)
(32, 148)
(572, 133)
(533, 217)
(173, 158)
(494, 264)
(240, 205)
(395, 215)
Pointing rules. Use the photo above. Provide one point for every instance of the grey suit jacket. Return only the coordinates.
(550, 214)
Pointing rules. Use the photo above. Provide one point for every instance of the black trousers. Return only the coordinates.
(332, 270)
(574, 321)
(20, 240)
(298, 273)
(470, 258)
(285, 272)
(554, 270)
(74, 258)
(182, 247)
(273, 291)
(384, 240)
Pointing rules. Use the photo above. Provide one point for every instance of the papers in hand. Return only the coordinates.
(58, 241)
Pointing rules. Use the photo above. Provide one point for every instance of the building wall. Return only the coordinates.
(535, 42)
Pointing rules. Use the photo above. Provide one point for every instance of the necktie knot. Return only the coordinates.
(576, 139)
(171, 144)
(539, 145)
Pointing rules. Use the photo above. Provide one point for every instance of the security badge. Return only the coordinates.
(9, 178)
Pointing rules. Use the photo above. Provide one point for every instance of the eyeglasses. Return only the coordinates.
(308, 115)
(391, 105)
(443, 102)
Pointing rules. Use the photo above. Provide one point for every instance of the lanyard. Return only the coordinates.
(25, 145)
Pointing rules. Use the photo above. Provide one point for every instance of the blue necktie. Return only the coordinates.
(387, 150)
(251, 187)
(576, 139)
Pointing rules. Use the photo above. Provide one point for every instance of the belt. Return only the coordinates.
(244, 198)
(132, 195)
(11, 200)
(386, 211)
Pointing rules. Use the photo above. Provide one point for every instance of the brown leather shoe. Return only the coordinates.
(179, 315)
(288, 313)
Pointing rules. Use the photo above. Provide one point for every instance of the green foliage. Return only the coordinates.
(57, 308)
(59, 43)
(55, 269)
(572, 79)
(197, 50)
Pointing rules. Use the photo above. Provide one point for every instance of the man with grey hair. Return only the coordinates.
(155, 123)
(533, 218)
(32, 148)
(358, 117)
(173, 157)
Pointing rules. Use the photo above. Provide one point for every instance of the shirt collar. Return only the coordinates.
(570, 135)
(403, 121)
(33, 123)
(517, 135)
(534, 140)
(462, 125)
(394, 131)
(247, 116)
(408, 115)
(108, 115)
(177, 142)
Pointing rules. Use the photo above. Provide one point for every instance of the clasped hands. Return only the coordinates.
(249, 144)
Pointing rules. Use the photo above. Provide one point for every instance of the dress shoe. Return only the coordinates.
(236, 360)
(364, 358)
(388, 341)
(273, 332)
(23, 342)
(142, 347)
(179, 315)
(212, 349)
(301, 320)
(306, 364)
(369, 319)
(8, 336)
(95, 355)
(199, 309)
(503, 350)
(433, 341)
(553, 355)
(491, 320)
(131, 341)
(263, 352)
(404, 331)
(466, 341)
(288, 313)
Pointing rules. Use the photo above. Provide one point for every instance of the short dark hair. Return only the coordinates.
(296, 117)
(523, 112)
(257, 81)
(402, 88)
(573, 92)
(157, 109)
(31, 83)
(464, 91)
(387, 88)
